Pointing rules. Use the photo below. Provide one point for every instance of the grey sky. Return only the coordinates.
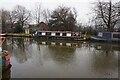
(83, 7)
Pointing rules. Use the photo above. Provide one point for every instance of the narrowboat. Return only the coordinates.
(107, 36)
(59, 35)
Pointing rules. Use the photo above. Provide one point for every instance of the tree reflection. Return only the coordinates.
(39, 56)
(21, 52)
(67, 56)
(62, 55)
(104, 59)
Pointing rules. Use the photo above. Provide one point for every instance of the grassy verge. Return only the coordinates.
(19, 34)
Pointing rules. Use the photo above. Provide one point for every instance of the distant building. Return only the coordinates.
(27, 30)
(41, 27)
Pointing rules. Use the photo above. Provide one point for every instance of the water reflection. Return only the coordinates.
(62, 55)
(62, 58)
(105, 58)
(19, 46)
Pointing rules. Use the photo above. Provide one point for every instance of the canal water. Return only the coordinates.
(35, 58)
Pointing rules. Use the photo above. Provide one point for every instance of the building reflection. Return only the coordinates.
(59, 51)
(61, 54)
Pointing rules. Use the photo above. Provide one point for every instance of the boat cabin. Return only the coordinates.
(57, 33)
(109, 35)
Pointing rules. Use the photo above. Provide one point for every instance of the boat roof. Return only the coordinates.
(110, 32)
(57, 31)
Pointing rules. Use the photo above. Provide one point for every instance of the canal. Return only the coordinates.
(35, 58)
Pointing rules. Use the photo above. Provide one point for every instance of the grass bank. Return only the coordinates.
(18, 35)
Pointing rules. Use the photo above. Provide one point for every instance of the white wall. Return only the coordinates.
(43, 33)
(60, 34)
(68, 34)
(52, 34)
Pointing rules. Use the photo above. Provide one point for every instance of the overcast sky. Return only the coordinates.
(83, 7)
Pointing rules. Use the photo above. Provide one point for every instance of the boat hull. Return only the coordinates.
(104, 40)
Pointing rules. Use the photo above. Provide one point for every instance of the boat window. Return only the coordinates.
(76, 34)
(57, 34)
(39, 33)
(100, 34)
(116, 35)
(64, 34)
(48, 33)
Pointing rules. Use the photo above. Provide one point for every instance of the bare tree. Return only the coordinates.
(12, 21)
(107, 13)
(21, 15)
(46, 15)
(75, 13)
(5, 18)
(37, 13)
